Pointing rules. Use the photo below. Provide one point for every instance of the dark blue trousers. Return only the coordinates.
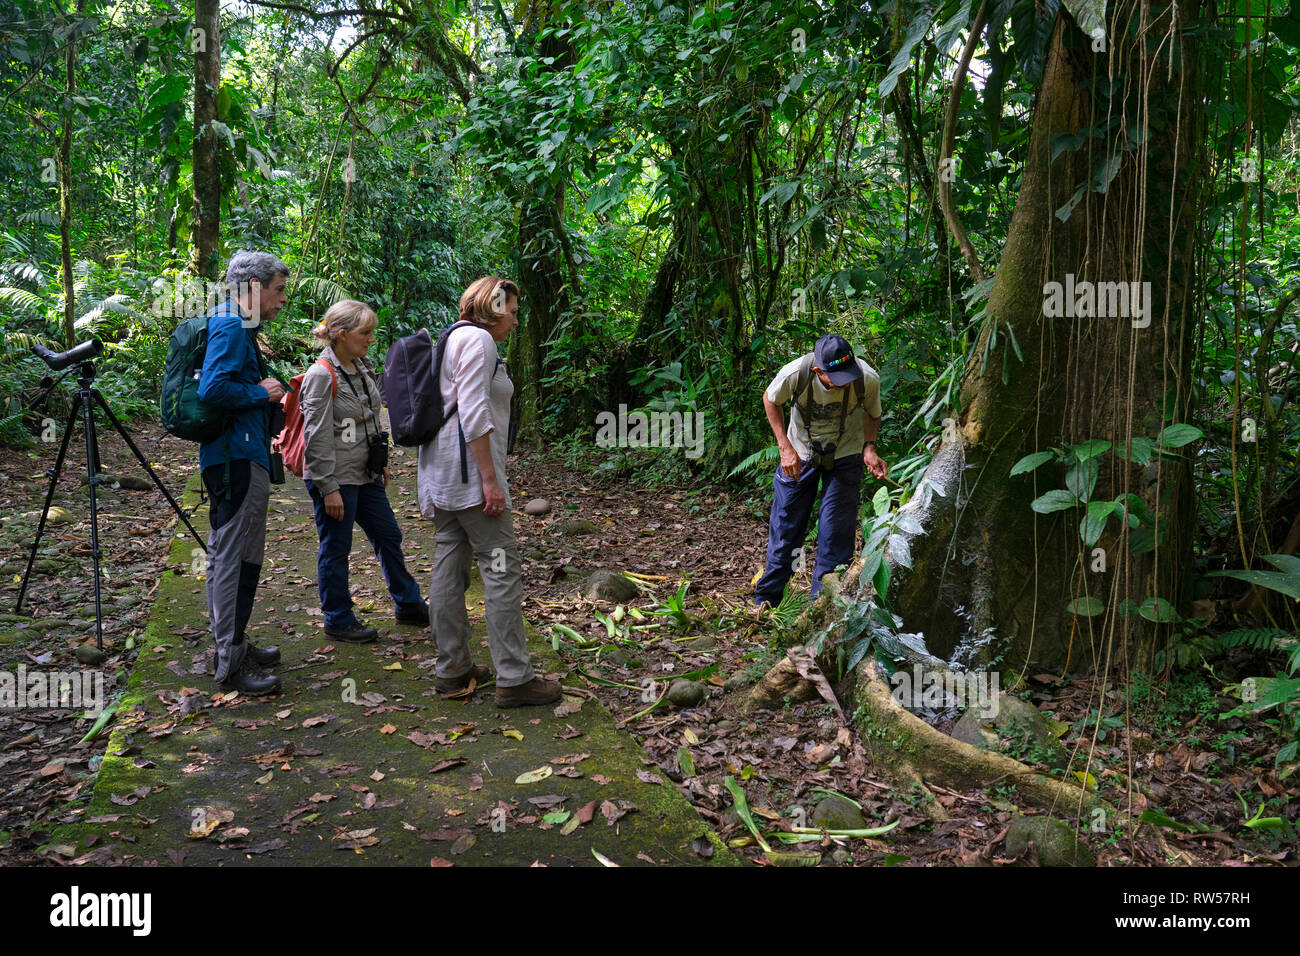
(837, 523)
(367, 506)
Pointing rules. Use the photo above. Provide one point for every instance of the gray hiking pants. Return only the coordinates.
(236, 545)
(492, 542)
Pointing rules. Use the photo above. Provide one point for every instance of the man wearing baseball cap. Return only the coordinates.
(834, 419)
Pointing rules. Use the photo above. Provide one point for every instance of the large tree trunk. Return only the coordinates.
(984, 563)
(548, 275)
(207, 175)
(543, 287)
(998, 568)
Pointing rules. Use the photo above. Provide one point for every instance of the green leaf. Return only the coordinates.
(742, 811)
(1287, 582)
(917, 29)
(1085, 607)
(947, 34)
(685, 762)
(1055, 500)
(1080, 479)
(101, 722)
(881, 580)
(880, 501)
(1158, 610)
(1127, 608)
(1161, 820)
(1063, 213)
(1066, 143)
(1094, 522)
(1090, 448)
(1179, 434)
(1140, 450)
(1030, 462)
(222, 130)
(1101, 180)
(1090, 15)
(869, 568)
(900, 550)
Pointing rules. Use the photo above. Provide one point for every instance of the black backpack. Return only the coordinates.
(413, 386)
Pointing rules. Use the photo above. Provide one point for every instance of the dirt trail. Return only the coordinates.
(359, 760)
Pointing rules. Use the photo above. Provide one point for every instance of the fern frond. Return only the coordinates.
(21, 299)
(1255, 638)
(40, 216)
(118, 304)
(769, 454)
(13, 344)
(1278, 691)
(320, 289)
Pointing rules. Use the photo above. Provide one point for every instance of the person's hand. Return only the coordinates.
(334, 505)
(790, 463)
(385, 476)
(274, 390)
(875, 464)
(494, 499)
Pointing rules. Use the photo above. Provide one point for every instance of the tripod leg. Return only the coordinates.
(49, 497)
(92, 460)
(145, 462)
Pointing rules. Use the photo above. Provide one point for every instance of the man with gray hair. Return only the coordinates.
(236, 466)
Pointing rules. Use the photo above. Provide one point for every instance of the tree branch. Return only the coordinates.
(945, 152)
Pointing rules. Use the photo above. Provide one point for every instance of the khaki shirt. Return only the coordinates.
(336, 425)
(826, 411)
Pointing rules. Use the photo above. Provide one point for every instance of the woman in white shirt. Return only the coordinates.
(462, 487)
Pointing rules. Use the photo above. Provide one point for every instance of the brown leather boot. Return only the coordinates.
(454, 685)
(536, 691)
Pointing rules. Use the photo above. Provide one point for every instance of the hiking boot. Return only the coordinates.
(249, 679)
(536, 691)
(419, 617)
(454, 685)
(354, 633)
(263, 656)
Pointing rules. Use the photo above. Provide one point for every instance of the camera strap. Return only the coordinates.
(803, 386)
(364, 401)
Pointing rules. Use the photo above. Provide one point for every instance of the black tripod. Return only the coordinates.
(83, 402)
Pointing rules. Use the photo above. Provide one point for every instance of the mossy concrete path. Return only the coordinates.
(359, 761)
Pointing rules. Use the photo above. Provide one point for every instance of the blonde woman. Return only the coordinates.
(346, 470)
(462, 486)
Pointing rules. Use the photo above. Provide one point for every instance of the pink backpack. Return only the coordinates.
(291, 443)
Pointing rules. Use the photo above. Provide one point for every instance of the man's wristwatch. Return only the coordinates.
(871, 443)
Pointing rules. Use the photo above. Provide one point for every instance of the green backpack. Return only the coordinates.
(183, 413)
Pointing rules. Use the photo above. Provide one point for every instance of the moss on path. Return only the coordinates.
(344, 766)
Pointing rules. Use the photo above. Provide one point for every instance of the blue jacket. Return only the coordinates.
(231, 372)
